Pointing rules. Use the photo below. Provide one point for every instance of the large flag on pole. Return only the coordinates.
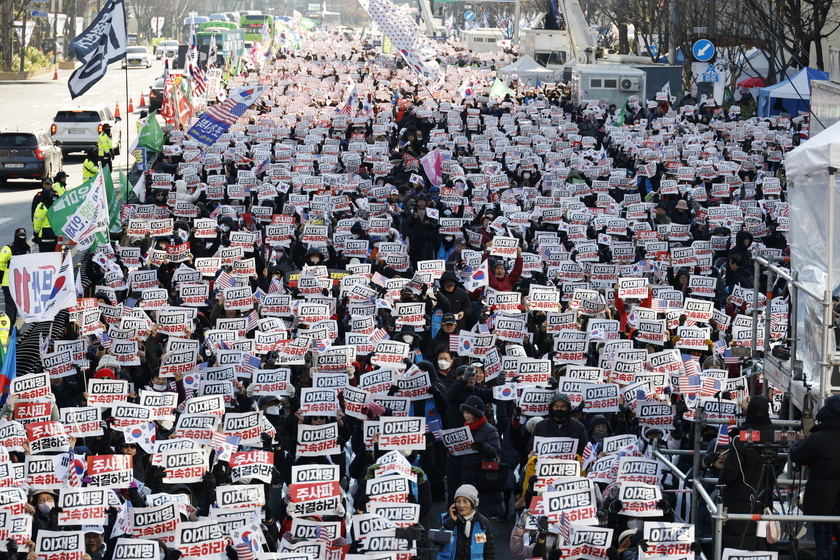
(418, 50)
(41, 285)
(89, 223)
(219, 117)
(103, 42)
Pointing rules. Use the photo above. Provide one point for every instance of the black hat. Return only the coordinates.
(474, 406)
(449, 276)
(267, 399)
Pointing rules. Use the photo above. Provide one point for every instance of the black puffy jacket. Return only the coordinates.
(821, 453)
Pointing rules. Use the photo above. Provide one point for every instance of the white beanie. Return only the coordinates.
(469, 492)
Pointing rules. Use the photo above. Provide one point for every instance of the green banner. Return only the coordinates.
(66, 205)
(151, 135)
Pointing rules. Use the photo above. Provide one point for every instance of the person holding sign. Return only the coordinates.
(561, 423)
(500, 279)
(472, 537)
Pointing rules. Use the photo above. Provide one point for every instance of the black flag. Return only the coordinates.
(102, 43)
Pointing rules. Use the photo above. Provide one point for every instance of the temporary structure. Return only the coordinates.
(793, 95)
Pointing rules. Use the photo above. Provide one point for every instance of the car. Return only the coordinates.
(137, 57)
(168, 48)
(77, 128)
(28, 155)
(156, 95)
(156, 92)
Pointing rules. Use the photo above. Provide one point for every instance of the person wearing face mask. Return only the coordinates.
(42, 508)
(445, 366)
(18, 246)
(599, 428)
(460, 304)
(272, 411)
(560, 423)
(440, 342)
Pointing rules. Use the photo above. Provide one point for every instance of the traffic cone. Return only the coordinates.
(142, 101)
(130, 105)
(117, 110)
(55, 73)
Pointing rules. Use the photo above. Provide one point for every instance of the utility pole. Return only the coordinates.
(55, 30)
(672, 35)
(23, 42)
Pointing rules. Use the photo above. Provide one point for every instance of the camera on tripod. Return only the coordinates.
(781, 437)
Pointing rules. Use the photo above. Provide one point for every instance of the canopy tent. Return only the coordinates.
(814, 240)
(794, 94)
(527, 71)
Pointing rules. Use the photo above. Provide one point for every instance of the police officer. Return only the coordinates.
(60, 183)
(18, 246)
(89, 167)
(44, 235)
(105, 147)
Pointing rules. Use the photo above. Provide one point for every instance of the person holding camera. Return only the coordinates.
(472, 537)
(821, 453)
(741, 475)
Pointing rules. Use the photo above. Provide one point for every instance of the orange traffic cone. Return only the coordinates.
(117, 110)
(55, 73)
(142, 101)
(130, 105)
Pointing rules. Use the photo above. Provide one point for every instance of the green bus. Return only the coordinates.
(220, 24)
(230, 43)
(253, 25)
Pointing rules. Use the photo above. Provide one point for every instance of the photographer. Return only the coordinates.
(472, 537)
(821, 453)
(741, 474)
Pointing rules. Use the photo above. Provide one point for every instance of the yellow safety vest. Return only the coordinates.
(59, 189)
(39, 220)
(89, 169)
(5, 258)
(5, 327)
(105, 145)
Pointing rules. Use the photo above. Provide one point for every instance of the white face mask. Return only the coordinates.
(46, 507)
(225, 229)
(444, 364)
(159, 387)
(448, 238)
(275, 410)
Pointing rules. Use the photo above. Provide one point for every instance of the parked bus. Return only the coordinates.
(253, 25)
(217, 25)
(230, 44)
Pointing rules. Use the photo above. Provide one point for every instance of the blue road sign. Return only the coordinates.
(653, 50)
(469, 15)
(703, 50)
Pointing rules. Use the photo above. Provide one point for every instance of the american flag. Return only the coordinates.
(720, 347)
(689, 384)
(590, 453)
(275, 286)
(227, 111)
(322, 535)
(729, 359)
(564, 527)
(379, 280)
(249, 364)
(262, 167)
(196, 73)
(224, 280)
(454, 342)
(690, 365)
(105, 340)
(659, 305)
(253, 321)
(76, 471)
(379, 335)
(224, 445)
(710, 387)
(723, 438)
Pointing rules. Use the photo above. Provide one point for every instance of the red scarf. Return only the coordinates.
(477, 424)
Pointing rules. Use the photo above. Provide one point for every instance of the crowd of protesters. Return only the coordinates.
(549, 290)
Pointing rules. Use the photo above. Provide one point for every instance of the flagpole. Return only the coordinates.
(127, 128)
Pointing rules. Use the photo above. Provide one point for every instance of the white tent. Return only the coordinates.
(527, 71)
(814, 238)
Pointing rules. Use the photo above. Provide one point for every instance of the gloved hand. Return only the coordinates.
(267, 440)
(11, 548)
(615, 506)
(231, 553)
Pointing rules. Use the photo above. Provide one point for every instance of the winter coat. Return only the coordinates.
(821, 452)
(479, 545)
(568, 428)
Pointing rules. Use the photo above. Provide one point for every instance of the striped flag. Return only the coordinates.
(564, 527)
(196, 73)
(729, 359)
(454, 343)
(275, 286)
(253, 320)
(689, 384)
(723, 438)
(262, 167)
(227, 111)
(379, 280)
(249, 364)
(76, 471)
(105, 340)
(590, 453)
(224, 280)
